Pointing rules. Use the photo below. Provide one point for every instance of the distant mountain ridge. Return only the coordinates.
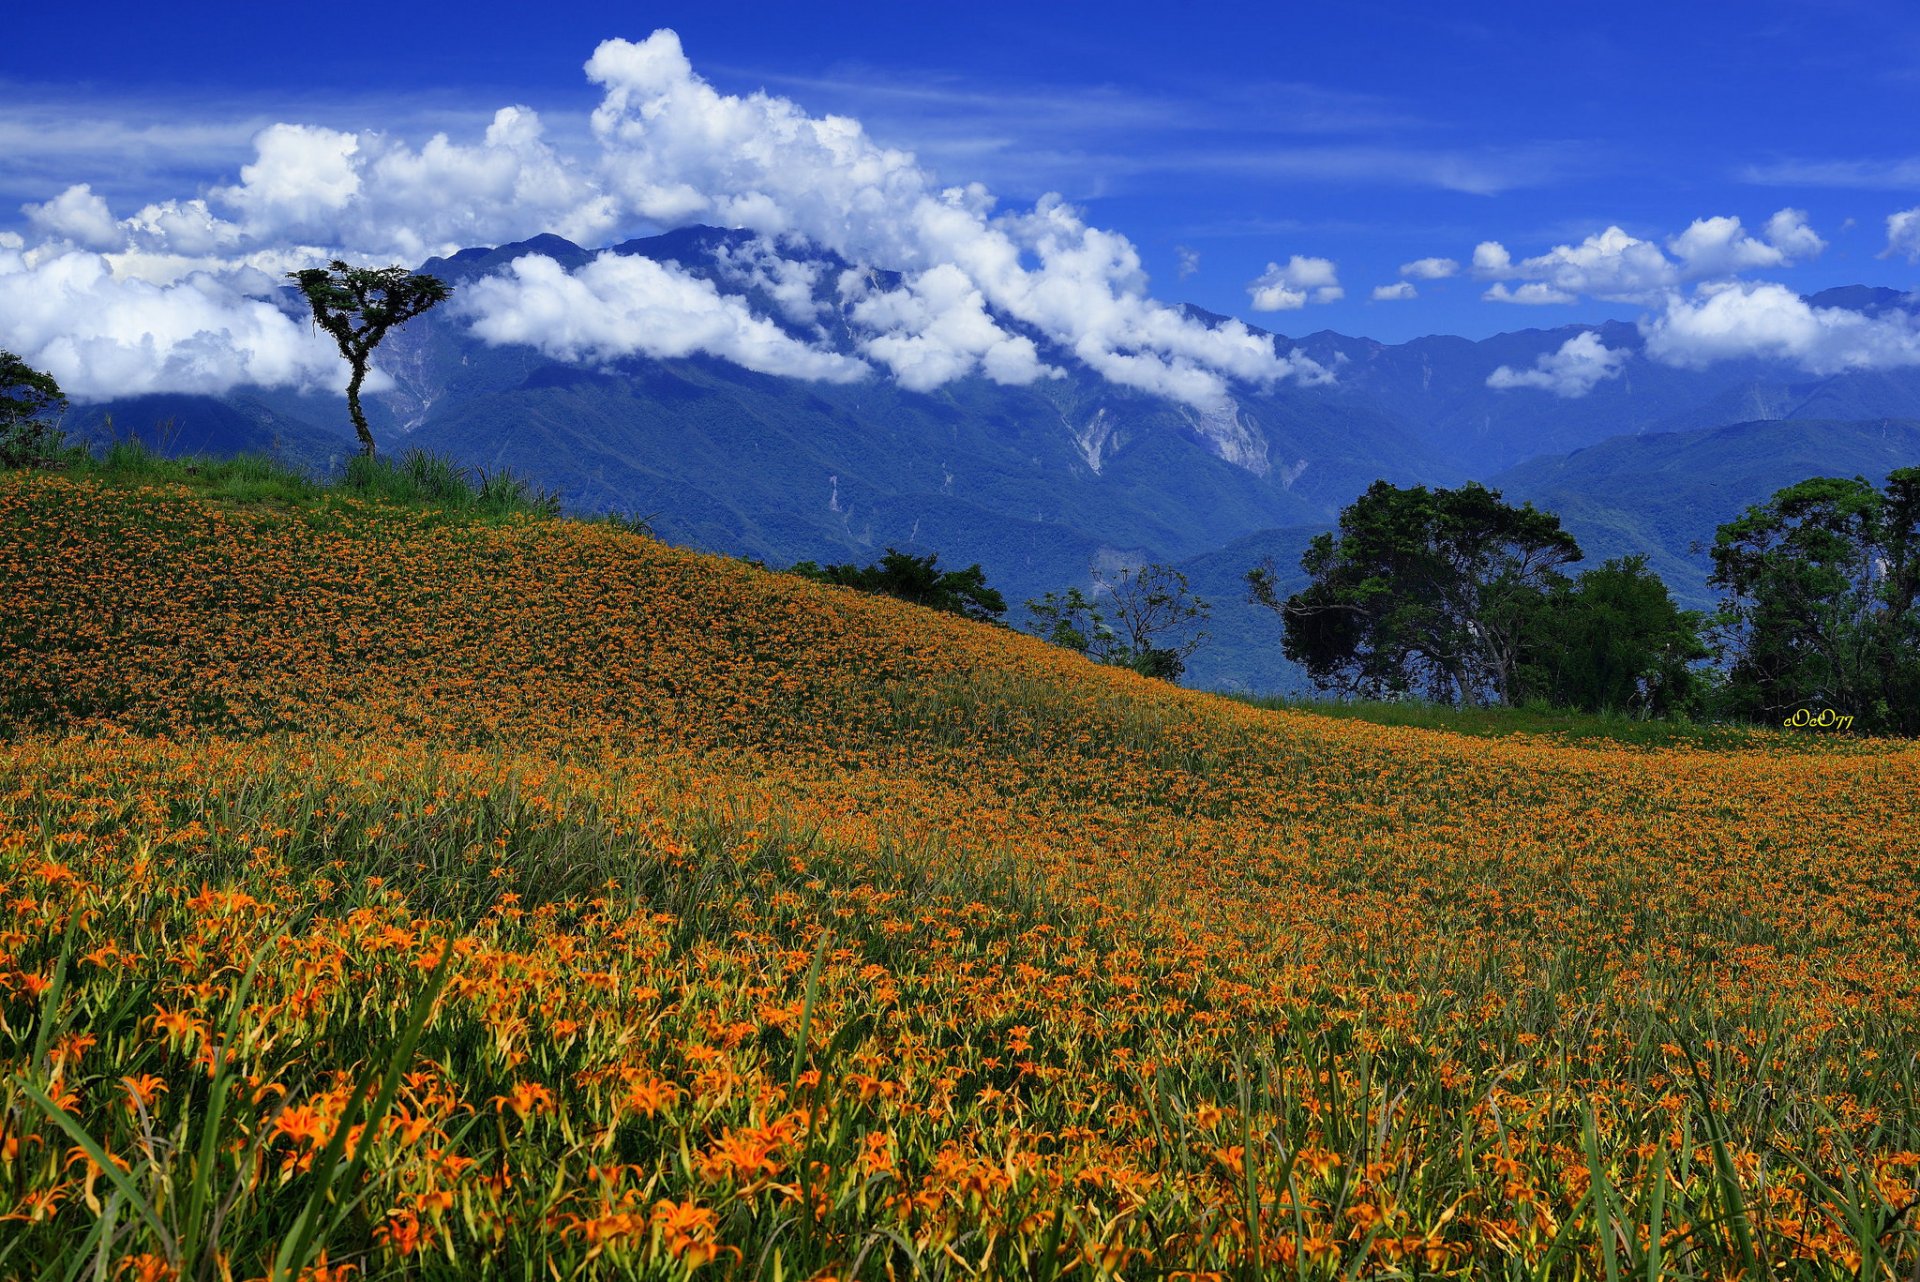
(1039, 482)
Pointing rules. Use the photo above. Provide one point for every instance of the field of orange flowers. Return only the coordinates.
(384, 895)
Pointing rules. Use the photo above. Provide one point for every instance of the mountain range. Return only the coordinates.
(1042, 483)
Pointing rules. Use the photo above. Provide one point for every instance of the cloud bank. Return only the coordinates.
(103, 336)
(980, 288)
(1762, 320)
(1615, 266)
(618, 306)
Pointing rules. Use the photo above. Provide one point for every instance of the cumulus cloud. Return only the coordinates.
(1534, 294)
(1429, 269)
(671, 150)
(1580, 363)
(1610, 264)
(79, 216)
(620, 305)
(1903, 234)
(1765, 320)
(1722, 247)
(1301, 280)
(1618, 267)
(1399, 291)
(677, 150)
(935, 329)
(104, 336)
(1189, 260)
(380, 197)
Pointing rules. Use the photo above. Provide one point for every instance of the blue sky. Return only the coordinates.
(1217, 138)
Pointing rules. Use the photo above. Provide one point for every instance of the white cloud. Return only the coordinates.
(1618, 267)
(1769, 321)
(789, 282)
(1580, 363)
(301, 175)
(1429, 269)
(1491, 260)
(1788, 232)
(1399, 291)
(79, 216)
(623, 305)
(1903, 234)
(1189, 260)
(672, 150)
(381, 198)
(1534, 294)
(1302, 280)
(935, 329)
(103, 336)
(1722, 247)
(1610, 265)
(677, 150)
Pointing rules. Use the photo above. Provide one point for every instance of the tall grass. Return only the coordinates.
(415, 479)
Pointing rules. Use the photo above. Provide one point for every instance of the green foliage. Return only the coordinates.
(1614, 640)
(1430, 592)
(1822, 604)
(1146, 618)
(917, 579)
(1072, 621)
(27, 398)
(358, 305)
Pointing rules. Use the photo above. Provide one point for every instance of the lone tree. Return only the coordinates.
(27, 397)
(1143, 617)
(358, 305)
(1432, 592)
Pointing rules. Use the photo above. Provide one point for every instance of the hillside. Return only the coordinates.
(1040, 482)
(790, 932)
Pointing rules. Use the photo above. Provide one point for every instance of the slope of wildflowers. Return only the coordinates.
(391, 896)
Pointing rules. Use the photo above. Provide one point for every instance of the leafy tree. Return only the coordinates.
(358, 305)
(1146, 618)
(27, 398)
(1614, 640)
(1822, 604)
(917, 579)
(1423, 591)
(1073, 621)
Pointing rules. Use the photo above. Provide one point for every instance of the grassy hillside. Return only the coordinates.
(683, 919)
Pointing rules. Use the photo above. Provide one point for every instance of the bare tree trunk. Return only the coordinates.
(353, 408)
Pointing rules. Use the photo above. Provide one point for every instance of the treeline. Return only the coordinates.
(1460, 598)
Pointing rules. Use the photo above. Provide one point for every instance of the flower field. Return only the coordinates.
(385, 895)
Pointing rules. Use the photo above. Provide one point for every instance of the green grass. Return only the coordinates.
(414, 479)
(1561, 723)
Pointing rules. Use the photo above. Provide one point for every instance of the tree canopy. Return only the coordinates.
(1613, 640)
(1428, 592)
(1822, 601)
(27, 398)
(358, 305)
(1142, 617)
(917, 579)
